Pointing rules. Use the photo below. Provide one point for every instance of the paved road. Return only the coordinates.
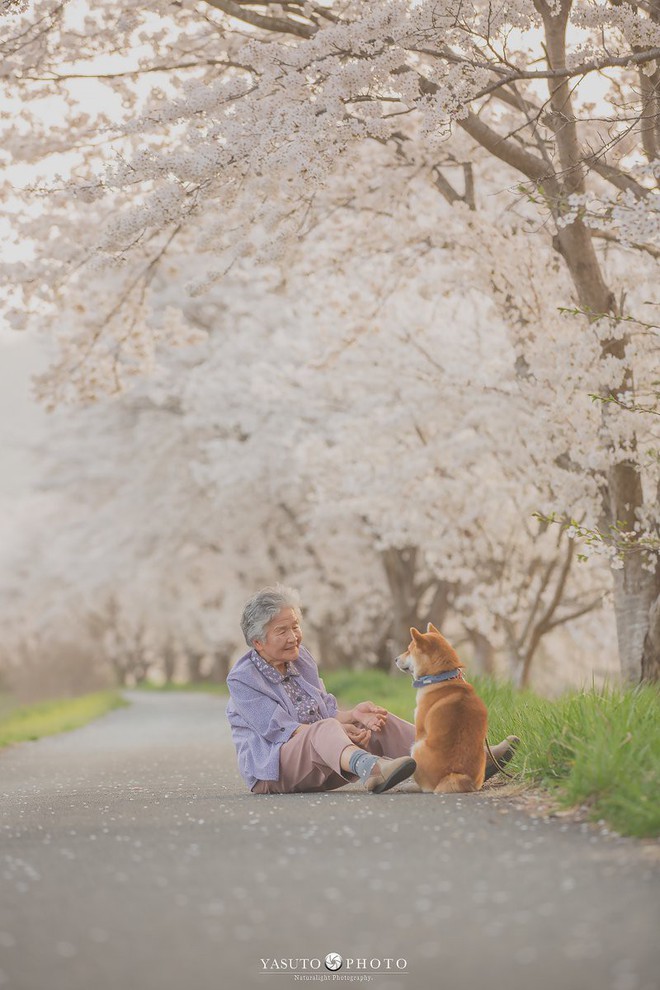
(132, 858)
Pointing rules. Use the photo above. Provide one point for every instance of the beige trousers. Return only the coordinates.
(309, 761)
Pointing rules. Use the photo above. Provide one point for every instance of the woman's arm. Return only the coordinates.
(266, 716)
(366, 714)
(344, 716)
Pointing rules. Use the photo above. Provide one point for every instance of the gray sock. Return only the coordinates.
(362, 763)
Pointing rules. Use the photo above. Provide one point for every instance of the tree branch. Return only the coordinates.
(605, 235)
(543, 624)
(589, 607)
(532, 111)
(531, 166)
(445, 187)
(638, 58)
(138, 72)
(545, 580)
(280, 25)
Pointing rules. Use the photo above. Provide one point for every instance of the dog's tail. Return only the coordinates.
(455, 783)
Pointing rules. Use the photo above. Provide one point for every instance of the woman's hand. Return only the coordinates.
(357, 733)
(369, 715)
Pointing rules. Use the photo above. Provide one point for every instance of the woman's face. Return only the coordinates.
(283, 638)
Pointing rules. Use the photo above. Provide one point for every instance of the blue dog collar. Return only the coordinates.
(446, 675)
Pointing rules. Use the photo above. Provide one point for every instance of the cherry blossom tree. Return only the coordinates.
(402, 490)
(254, 108)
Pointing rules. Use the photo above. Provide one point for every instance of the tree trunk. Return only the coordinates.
(400, 571)
(384, 657)
(651, 651)
(330, 656)
(120, 671)
(408, 601)
(220, 666)
(634, 588)
(484, 652)
(194, 664)
(169, 663)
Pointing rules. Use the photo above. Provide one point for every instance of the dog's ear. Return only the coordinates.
(416, 634)
(431, 628)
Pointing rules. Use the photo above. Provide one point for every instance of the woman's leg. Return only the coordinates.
(396, 738)
(311, 761)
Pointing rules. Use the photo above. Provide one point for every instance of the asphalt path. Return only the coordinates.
(132, 857)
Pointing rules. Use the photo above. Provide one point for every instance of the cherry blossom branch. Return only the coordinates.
(606, 235)
(617, 542)
(637, 58)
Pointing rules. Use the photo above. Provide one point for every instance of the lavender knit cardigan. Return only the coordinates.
(262, 715)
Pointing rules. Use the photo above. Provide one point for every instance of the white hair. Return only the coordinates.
(263, 607)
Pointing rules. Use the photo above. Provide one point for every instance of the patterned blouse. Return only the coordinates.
(306, 708)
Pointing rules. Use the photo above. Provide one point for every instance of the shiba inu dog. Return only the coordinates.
(450, 718)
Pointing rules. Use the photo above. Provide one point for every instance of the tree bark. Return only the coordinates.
(651, 651)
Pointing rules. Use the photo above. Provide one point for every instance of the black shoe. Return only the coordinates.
(388, 773)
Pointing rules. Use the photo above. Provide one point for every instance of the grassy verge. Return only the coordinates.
(594, 748)
(599, 748)
(19, 724)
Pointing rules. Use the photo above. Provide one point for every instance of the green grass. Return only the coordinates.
(46, 718)
(595, 748)
(351, 686)
(599, 748)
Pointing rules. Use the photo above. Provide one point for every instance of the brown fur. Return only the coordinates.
(450, 720)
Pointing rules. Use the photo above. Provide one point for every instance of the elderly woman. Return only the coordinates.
(289, 734)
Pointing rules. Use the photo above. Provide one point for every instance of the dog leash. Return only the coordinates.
(498, 765)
